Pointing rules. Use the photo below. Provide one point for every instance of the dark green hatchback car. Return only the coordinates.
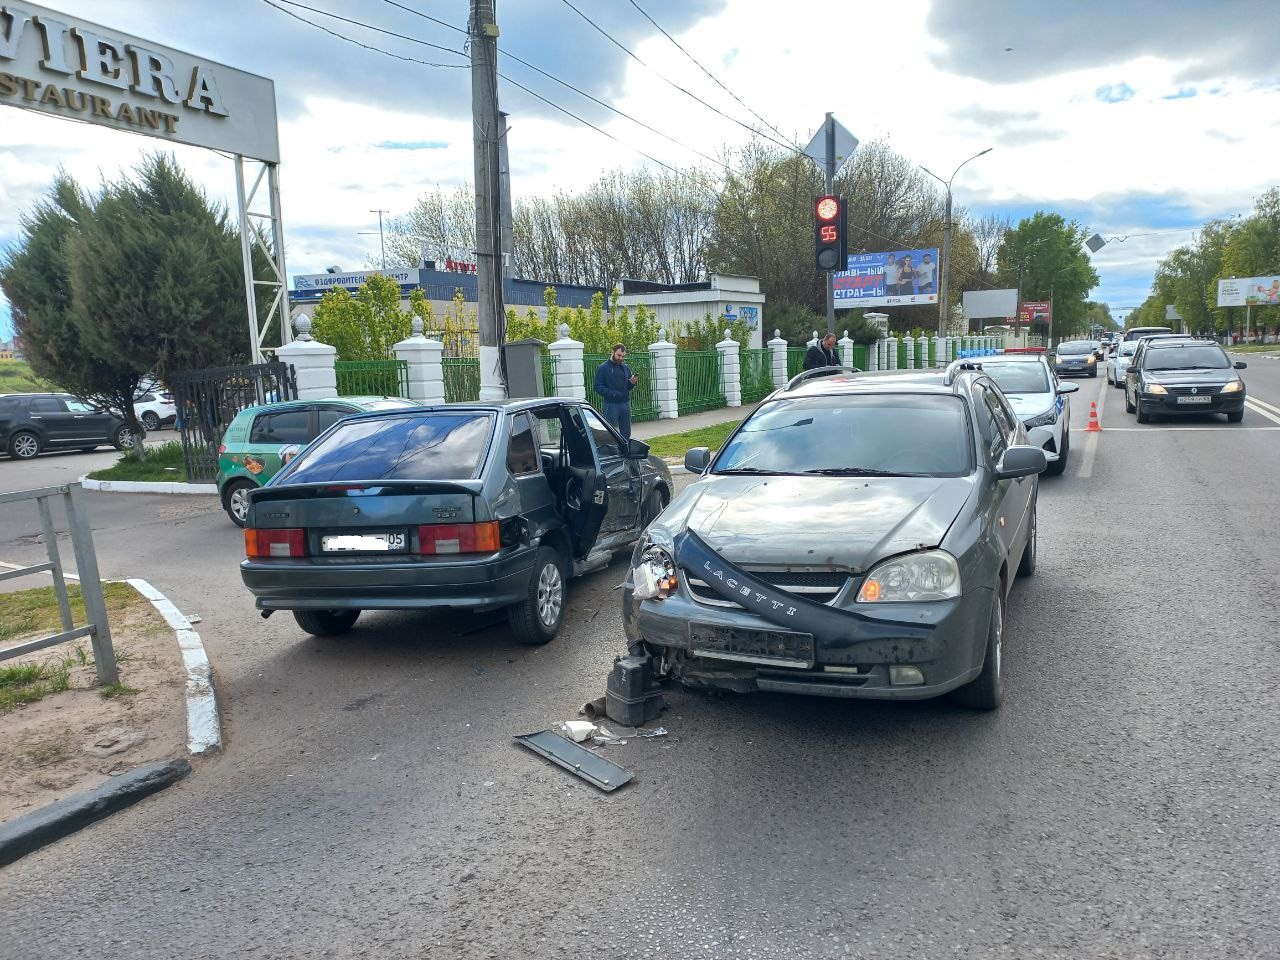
(261, 440)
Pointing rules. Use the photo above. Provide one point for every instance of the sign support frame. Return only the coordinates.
(253, 232)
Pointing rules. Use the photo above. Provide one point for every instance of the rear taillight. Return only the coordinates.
(284, 542)
(459, 538)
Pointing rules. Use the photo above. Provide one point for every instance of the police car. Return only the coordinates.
(1039, 399)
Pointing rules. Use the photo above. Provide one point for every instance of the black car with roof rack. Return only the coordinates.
(856, 536)
(31, 423)
(474, 506)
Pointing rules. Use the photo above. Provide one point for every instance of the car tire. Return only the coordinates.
(1128, 407)
(649, 511)
(1143, 416)
(1027, 565)
(123, 438)
(235, 500)
(326, 623)
(987, 690)
(1094, 373)
(1236, 417)
(536, 619)
(1056, 468)
(24, 445)
(150, 420)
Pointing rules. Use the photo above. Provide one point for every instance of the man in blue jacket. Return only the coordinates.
(614, 382)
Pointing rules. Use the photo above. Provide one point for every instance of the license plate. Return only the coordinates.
(1195, 399)
(365, 543)
(771, 647)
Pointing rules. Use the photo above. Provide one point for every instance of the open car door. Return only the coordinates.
(586, 491)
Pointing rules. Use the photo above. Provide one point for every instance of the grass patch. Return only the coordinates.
(36, 611)
(164, 463)
(117, 689)
(29, 682)
(16, 377)
(675, 444)
(1255, 348)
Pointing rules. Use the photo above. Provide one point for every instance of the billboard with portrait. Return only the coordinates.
(895, 278)
(1249, 291)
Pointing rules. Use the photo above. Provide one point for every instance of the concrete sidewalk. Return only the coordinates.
(655, 428)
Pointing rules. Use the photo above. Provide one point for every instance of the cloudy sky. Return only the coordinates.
(1139, 118)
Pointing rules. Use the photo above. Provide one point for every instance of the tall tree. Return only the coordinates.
(1044, 257)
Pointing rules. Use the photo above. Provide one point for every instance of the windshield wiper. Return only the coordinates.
(753, 470)
(856, 472)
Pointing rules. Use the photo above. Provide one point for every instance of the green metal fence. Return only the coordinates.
(461, 379)
(549, 362)
(699, 380)
(372, 378)
(757, 374)
(861, 359)
(644, 405)
(795, 360)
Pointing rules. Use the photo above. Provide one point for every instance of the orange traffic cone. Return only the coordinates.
(1094, 426)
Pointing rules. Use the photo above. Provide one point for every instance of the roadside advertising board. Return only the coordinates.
(890, 279)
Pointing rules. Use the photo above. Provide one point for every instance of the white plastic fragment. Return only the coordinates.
(578, 730)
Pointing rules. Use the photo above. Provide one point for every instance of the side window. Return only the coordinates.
(1004, 416)
(328, 416)
(47, 405)
(288, 426)
(79, 406)
(992, 419)
(606, 442)
(522, 449)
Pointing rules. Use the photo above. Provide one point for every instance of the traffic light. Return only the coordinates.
(829, 229)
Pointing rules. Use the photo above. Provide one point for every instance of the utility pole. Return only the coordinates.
(483, 33)
(508, 235)
(830, 174)
(944, 268)
(381, 242)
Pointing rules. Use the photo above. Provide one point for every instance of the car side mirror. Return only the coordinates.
(1241, 365)
(637, 449)
(1068, 388)
(697, 459)
(1021, 461)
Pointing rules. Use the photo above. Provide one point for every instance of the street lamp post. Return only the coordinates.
(944, 268)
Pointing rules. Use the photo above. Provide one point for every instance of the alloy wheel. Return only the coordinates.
(25, 446)
(550, 595)
(239, 503)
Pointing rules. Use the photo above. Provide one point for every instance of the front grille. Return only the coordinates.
(820, 586)
(1200, 390)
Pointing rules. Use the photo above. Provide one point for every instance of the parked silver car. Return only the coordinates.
(1118, 366)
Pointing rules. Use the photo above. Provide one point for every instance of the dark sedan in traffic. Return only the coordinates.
(467, 506)
(857, 536)
(1180, 376)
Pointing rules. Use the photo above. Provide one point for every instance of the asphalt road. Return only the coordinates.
(370, 801)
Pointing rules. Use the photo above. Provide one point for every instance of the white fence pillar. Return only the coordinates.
(426, 369)
(570, 377)
(891, 353)
(846, 350)
(779, 348)
(873, 356)
(664, 377)
(313, 363)
(813, 342)
(909, 342)
(730, 370)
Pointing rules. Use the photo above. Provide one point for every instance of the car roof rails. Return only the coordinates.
(807, 375)
(958, 367)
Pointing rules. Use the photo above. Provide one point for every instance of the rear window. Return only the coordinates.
(868, 434)
(287, 426)
(1137, 332)
(1018, 377)
(436, 446)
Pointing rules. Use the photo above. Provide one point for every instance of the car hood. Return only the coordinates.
(1027, 405)
(1190, 378)
(845, 522)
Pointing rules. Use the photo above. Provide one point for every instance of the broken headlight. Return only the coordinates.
(654, 574)
(913, 577)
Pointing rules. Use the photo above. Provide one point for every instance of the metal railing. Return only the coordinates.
(372, 378)
(861, 356)
(644, 405)
(549, 361)
(461, 379)
(95, 605)
(795, 360)
(757, 374)
(699, 380)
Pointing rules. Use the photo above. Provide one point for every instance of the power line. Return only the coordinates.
(671, 83)
(366, 26)
(566, 84)
(697, 64)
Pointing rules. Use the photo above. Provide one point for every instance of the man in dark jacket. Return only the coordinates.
(822, 354)
(614, 382)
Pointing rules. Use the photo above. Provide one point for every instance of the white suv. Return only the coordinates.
(155, 409)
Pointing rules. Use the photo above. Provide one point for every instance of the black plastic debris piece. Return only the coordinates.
(632, 697)
(579, 761)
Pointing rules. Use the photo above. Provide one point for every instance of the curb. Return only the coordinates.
(64, 817)
(142, 486)
(204, 731)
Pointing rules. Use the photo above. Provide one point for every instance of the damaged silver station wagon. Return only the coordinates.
(857, 536)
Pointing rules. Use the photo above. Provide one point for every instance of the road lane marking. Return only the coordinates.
(1266, 410)
(1160, 428)
(1091, 442)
